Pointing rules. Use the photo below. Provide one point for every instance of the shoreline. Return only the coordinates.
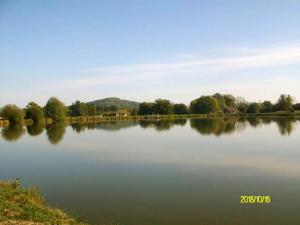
(26, 206)
(98, 119)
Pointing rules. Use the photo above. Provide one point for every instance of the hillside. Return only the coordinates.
(113, 101)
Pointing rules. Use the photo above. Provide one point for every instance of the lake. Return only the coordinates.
(179, 172)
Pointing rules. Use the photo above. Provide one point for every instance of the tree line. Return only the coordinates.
(209, 104)
(218, 103)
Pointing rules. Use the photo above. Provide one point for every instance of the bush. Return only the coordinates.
(13, 113)
(180, 109)
(55, 109)
(253, 108)
(204, 104)
(34, 112)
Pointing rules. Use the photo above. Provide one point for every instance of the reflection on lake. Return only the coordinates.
(210, 126)
(162, 172)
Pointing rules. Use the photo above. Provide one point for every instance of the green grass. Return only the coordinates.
(26, 206)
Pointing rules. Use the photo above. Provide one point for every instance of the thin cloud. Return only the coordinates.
(248, 58)
(180, 78)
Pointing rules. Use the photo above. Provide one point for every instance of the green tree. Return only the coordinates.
(230, 100)
(91, 109)
(253, 108)
(133, 112)
(78, 109)
(180, 109)
(296, 106)
(146, 108)
(221, 101)
(204, 104)
(266, 106)
(241, 105)
(13, 113)
(55, 109)
(285, 103)
(35, 112)
(163, 107)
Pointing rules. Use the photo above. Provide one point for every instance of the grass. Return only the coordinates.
(25, 206)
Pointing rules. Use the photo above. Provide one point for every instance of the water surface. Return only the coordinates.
(180, 172)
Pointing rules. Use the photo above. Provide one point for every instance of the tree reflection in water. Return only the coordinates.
(35, 129)
(162, 125)
(205, 126)
(13, 132)
(213, 126)
(55, 132)
(286, 125)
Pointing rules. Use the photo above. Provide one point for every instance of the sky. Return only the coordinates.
(143, 50)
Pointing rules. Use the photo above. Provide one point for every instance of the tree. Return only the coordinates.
(285, 103)
(253, 108)
(35, 112)
(163, 107)
(221, 101)
(78, 109)
(241, 105)
(91, 109)
(133, 111)
(266, 106)
(296, 106)
(180, 109)
(204, 104)
(146, 108)
(55, 109)
(230, 100)
(12, 113)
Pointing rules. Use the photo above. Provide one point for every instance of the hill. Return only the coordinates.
(117, 102)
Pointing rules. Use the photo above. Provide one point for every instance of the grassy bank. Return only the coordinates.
(26, 206)
(96, 119)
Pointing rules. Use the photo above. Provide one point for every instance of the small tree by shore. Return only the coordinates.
(55, 109)
(13, 114)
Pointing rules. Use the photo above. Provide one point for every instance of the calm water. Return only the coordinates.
(183, 172)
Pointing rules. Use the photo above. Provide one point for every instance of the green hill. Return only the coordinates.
(117, 102)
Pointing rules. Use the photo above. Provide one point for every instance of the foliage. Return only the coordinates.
(204, 104)
(180, 109)
(230, 100)
(163, 107)
(12, 113)
(221, 101)
(285, 103)
(104, 105)
(241, 105)
(296, 106)
(146, 108)
(55, 109)
(266, 106)
(19, 204)
(78, 109)
(34, 111)
(91, 110)
(253, 108)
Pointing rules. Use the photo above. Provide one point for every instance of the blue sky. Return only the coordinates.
(142, 50)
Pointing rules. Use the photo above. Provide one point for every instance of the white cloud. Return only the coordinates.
(248, 58)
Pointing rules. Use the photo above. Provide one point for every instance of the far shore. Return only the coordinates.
(97, 119)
